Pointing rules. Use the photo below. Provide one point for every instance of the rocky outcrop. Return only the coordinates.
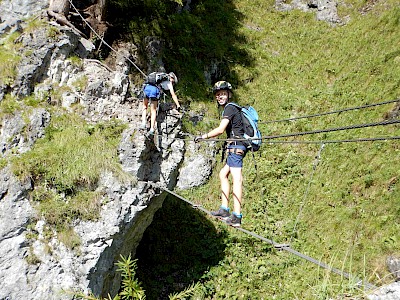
(13, 11)
(42, 268)
(325, 10)
(18, 133)
(388, 292)
(197, 158)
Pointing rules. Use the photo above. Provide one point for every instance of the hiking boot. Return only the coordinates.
(151, 132)
(142, 127)
(234, 221)
(221, 213)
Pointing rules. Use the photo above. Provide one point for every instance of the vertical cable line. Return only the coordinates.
(315, 164)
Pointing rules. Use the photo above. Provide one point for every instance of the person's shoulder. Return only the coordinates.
(231, 107)
(229, 110)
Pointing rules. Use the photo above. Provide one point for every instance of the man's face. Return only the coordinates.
(222, 96)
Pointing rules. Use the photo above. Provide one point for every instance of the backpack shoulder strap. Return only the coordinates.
(233, 104)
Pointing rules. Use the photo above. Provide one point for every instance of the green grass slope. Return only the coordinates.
(344, 210)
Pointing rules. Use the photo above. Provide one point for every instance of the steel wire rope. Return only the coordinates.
(302, 204)
(338, 141)
(331, 112)
(357, 140)
(103, 41)
(285, 247)
(355, 126)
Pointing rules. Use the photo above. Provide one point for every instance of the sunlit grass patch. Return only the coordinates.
(65, 167)
(8, 65)
(72, 155)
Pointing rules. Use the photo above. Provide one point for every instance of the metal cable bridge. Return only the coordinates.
(283, 247)
(271, 139)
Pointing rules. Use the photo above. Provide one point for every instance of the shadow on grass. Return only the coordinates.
(177, 249)
(202, 43)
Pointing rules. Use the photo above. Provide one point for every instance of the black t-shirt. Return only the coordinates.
(235, 126)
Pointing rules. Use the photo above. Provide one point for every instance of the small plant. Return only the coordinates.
(53, 32)
(80, 83)
(76, 61)
(3, 163)
(31, 257)
(32, 101)
(185, 294)
(69, 238)
(8, 66)
(9, 105)
(131, 288)
(9, 58)
(56, 95)
(33, 24)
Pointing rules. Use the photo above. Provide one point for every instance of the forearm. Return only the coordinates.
(176, 101)
(217, 131)
(213, 133)
(174, 97)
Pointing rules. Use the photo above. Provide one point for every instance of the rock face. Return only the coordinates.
(39, 268)
(13, 11)
(197, 166)
(326, 10)
(44, 268)
(389, 292)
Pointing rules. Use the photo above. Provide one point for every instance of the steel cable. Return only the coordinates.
(355, 126)
(330, 112)
(284, 247)
(338, 141)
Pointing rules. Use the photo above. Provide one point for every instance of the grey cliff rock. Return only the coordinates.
(42, 268)
(325, 10)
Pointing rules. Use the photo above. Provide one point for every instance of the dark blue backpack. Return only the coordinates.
(250, 126)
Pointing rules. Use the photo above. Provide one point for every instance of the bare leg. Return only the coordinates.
(237, 188)
(225, 187)
(144, 111)
(153, 114)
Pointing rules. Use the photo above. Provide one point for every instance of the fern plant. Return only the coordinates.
(131, 288)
